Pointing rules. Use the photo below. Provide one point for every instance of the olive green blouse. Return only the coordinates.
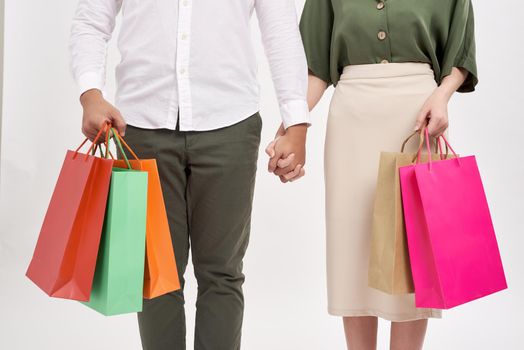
(337, 33)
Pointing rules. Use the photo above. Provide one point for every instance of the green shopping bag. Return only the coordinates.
(119, 275)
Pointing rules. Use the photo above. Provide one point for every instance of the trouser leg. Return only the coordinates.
(220, 192)
(162, 320)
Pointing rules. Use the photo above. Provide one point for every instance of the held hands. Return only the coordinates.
(98, 112)
(287, 153)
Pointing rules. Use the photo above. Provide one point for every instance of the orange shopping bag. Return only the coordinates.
(161, 274)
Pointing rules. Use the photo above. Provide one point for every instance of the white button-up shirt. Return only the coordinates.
(191, 59)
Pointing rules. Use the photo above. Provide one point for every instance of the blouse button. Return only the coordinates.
(381, 5)
(381, 35)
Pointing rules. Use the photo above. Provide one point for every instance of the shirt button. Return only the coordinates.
(381, 35)
(185, 3)
(184, 36)
(182, 71)
(381, 5)
(384, 61)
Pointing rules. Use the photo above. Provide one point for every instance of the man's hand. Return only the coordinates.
(98, 112)
(288, 153)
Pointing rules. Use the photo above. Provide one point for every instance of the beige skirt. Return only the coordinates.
(373, 109)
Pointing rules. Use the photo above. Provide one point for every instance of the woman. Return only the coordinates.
(395, 65)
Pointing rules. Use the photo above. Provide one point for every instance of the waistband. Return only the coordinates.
(386, 70)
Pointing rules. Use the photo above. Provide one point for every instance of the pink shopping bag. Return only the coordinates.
(452, 245)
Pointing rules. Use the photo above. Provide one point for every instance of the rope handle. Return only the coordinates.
(110, 132)
(438, 146)
(119, 145)
(94, 144)
(448, 146)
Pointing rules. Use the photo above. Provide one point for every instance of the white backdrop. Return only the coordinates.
(285, 287)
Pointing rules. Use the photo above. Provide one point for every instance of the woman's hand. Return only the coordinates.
(434, 113)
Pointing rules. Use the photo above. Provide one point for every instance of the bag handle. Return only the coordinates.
(438, 146)
(421, 140)
(119, 146)
(429, 149)
(93, 144)
(119, 141)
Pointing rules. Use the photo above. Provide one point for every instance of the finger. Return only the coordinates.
(434, 125)
(91, 129)
(281, 131)
(444, 128)
(119, 123)
(283, 179)
(286, 170)
(441, 130)
(294, 173)
(270, 149)
(301, 174)
(90, 136)
(285, 162)
(421, 119)
(273, 162)
(89, 133)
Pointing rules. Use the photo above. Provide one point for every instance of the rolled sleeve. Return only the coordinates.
(287, 60)
(294, 113)
(91, 31)
(89, 81)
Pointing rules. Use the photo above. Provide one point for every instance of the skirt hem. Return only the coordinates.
(385, 315)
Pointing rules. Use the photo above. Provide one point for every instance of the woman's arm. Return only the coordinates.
(435, 110)
(315, 91)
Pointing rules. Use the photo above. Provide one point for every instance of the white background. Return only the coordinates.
(285, 288)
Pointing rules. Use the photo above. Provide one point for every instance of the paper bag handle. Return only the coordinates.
(93, 144)
(448, 146)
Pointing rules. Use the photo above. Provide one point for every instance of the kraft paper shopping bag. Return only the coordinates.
(389, 267)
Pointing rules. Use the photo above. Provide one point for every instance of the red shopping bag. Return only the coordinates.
(452, 245)
(64, 259)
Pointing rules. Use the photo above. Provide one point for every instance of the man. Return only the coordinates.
(188, 96)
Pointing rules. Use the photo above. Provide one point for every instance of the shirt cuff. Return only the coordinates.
(295, 112)
(88, 81)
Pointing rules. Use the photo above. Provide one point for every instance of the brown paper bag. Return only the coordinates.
(389, 267)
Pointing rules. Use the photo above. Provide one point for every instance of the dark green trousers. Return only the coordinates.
(207, 181)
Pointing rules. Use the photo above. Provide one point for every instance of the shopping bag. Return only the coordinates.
(452, 245)
(389, 268)
(118, 282)
(64, 259)
(161, 274)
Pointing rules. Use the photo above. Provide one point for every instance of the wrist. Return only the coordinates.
(445, 92)
(90, 95)
(298, 129)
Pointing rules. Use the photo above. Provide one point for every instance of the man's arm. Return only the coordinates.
(285, 52)
(91, 31)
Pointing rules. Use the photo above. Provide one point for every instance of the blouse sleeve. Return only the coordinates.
(460, 47)
(316, 27)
